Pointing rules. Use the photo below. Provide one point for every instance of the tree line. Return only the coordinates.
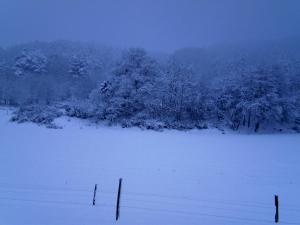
(247, 86)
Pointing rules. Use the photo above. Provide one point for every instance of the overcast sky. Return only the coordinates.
(154, 24)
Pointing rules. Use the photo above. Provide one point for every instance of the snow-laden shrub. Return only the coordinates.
(149, 124)
(44, 115)
(185, 125)
(80, 109)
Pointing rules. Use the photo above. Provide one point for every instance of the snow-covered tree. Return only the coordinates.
(30, 62)
(79, 67)
(254, 99)
(130, 85)
(179, 93)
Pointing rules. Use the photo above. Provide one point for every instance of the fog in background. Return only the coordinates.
(157, 25)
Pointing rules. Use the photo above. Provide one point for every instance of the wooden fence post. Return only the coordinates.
(277, 209)
(94, 198)
(118, 199)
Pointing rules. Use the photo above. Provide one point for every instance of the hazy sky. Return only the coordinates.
(153, 24)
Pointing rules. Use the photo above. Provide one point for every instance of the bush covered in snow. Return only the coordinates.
(80, 109)
(43, 115)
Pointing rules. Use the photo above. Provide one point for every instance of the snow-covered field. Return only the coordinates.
(169, 178)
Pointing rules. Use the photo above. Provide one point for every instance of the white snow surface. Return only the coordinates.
(169, 178)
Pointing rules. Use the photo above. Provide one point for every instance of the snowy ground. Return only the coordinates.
(169, 178)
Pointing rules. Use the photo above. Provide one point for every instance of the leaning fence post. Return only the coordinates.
(277, 209)
(94, 198)
(118, 199)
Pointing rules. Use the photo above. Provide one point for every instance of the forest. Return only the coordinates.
(251, 86)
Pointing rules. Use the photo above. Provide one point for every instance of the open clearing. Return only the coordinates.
(169, 178)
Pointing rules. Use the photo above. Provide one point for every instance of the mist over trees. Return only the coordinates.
(252, 86)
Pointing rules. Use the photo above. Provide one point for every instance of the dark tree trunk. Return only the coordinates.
(256, 127)
(237, 125)
(249, 119)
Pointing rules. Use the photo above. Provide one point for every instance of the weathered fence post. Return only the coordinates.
(94, 198)
(118, 199)
(277, 209)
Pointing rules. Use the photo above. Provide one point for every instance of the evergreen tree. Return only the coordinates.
(79, 67)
